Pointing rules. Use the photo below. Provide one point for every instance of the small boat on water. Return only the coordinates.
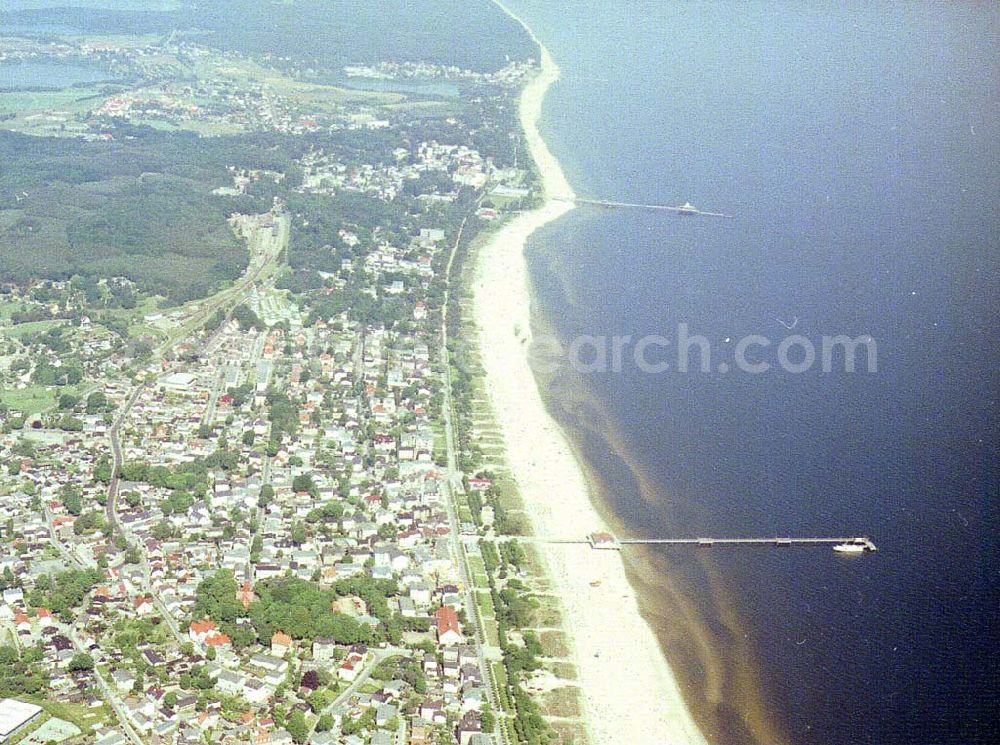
(688, 209)
(850, 548)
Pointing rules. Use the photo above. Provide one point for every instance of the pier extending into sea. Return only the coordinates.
(607, 541)
(684, 209)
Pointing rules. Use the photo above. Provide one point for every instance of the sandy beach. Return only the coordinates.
(629, 692)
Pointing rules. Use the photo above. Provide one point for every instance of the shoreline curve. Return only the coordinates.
(629, 692)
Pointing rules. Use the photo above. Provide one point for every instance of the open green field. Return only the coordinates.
(68, 99)
(492, 632)
(144, 329)
(478, 569)
(31, 327)
(122, 40)
(8, 307)
(82, 716)
(31, 400)
(49, 112)
(147, 305)
(426, 108)
(327, 96)
(484, 606)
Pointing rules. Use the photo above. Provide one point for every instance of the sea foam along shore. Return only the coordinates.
(630, 695)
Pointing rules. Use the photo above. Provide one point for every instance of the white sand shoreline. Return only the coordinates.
(629, 693)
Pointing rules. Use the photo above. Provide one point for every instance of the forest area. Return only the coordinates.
(140, 208)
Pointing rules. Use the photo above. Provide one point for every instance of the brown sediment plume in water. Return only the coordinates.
(684, 597)
(622, 674)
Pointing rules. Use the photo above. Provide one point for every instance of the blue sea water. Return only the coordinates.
(857, 146)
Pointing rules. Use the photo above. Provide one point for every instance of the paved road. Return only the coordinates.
(379, 655)
(112, 512)
(213, 397)
(453, 477)
(269, 248)
(117, 459)
(70, 556)
(110, 695)
(267, 254)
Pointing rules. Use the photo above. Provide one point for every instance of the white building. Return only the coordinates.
(179, 382)
(14, 716)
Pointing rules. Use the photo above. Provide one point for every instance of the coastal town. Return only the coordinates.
(240, 473)
(178, 84)
(348, 391)
(277, 513)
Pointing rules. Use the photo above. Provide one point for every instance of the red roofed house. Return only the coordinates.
(280, 643)
(199, 630)
(217, 640)
(349, 668)
(448, 628)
